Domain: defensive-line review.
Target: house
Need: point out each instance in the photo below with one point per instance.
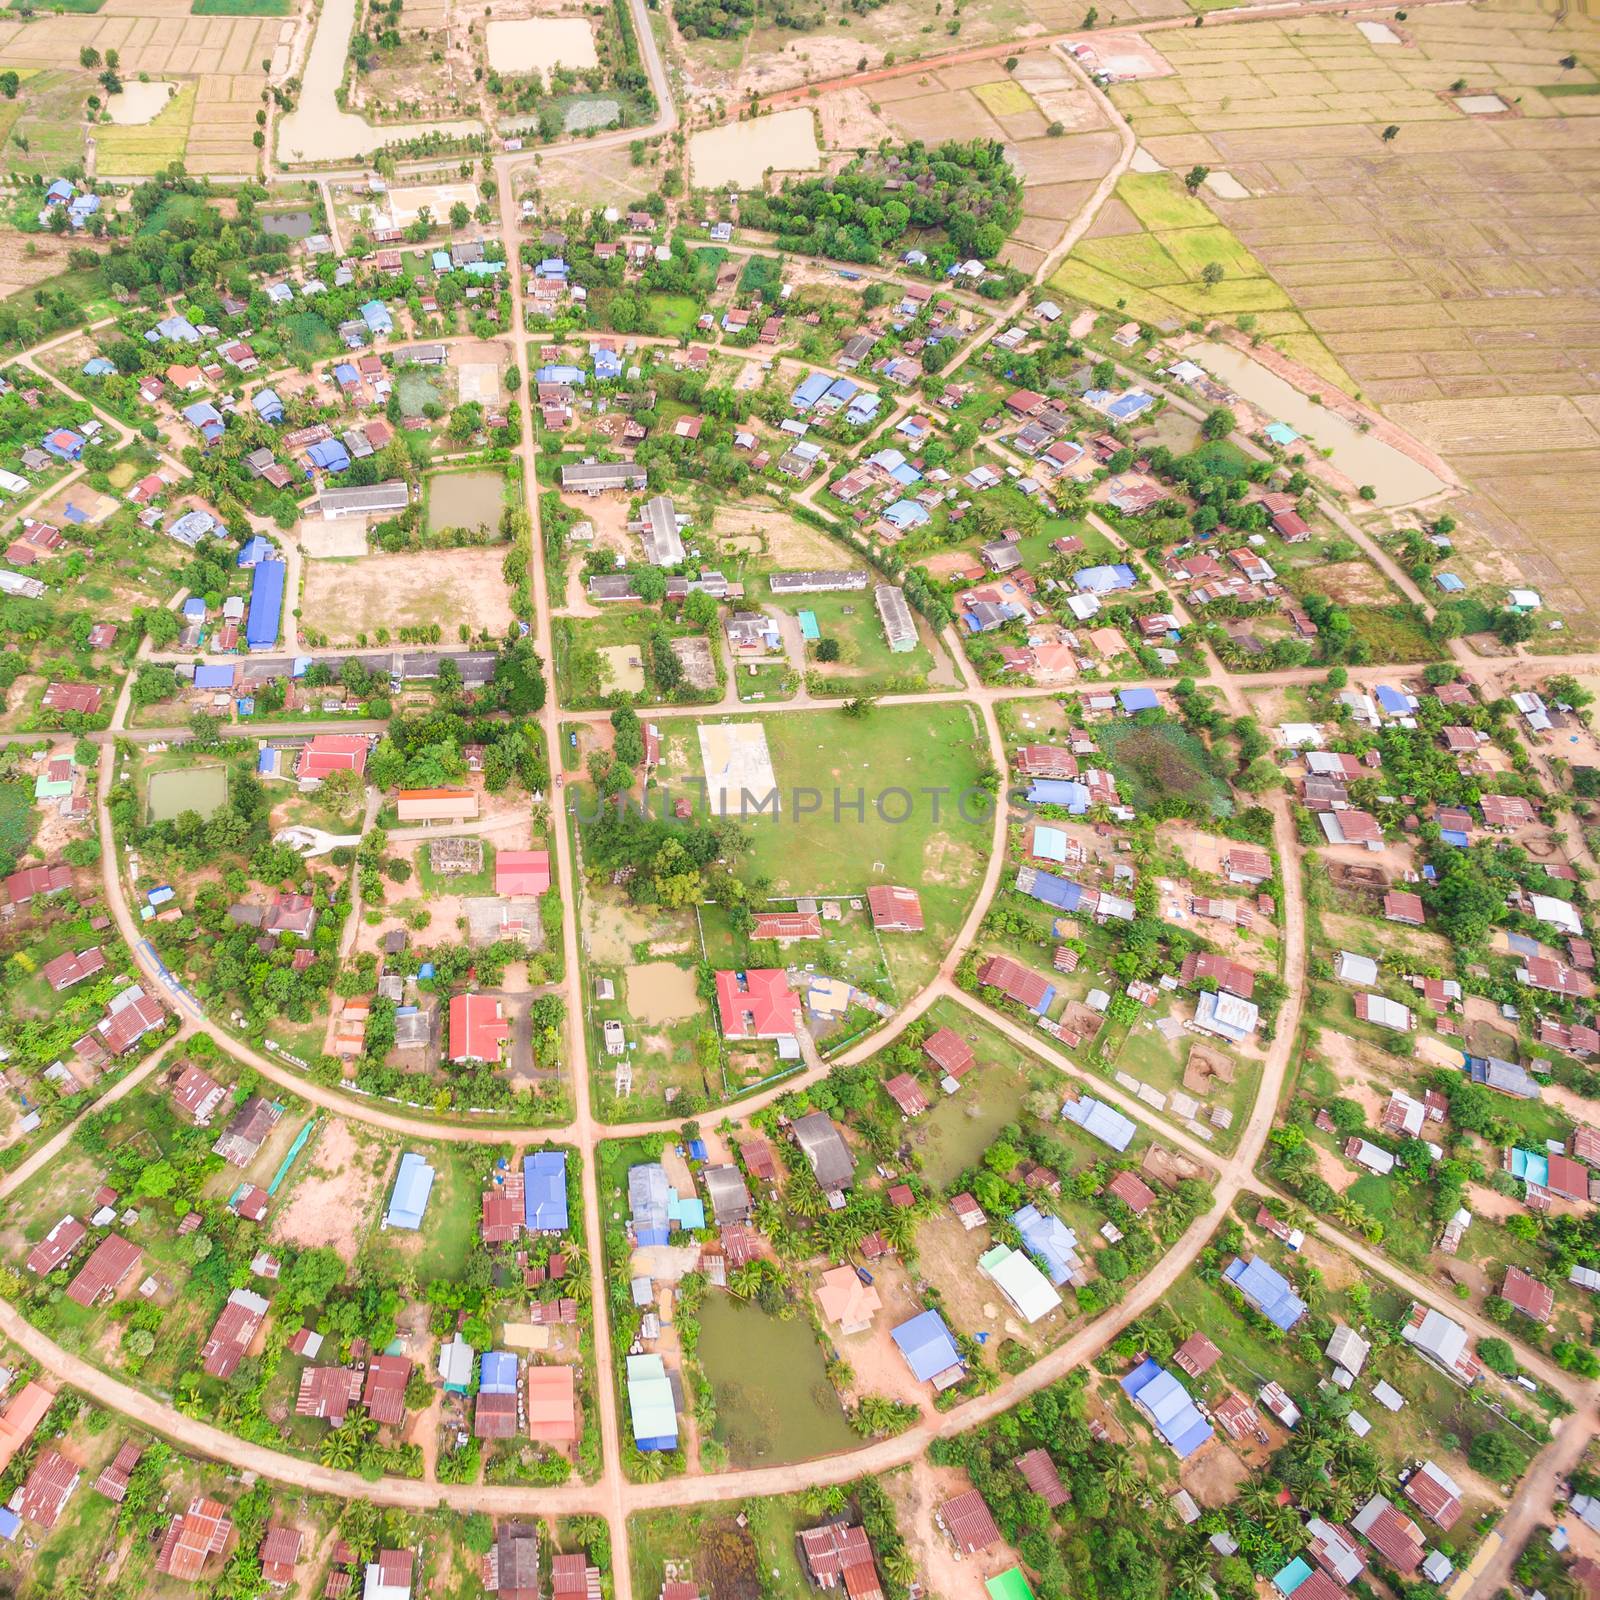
(825, 1150)
(113, 1481)
(279, 1553)
(899, 627)
(1196, 1355)
(1106, 1124)
(1347, 1350)
(81, 699)
(844, 1299)
(47, 1488)
(231, 1334)
(1505, 812)
(544, 1184)
(1267, 1290)
(1242, 864)
(327, 1393)
(1535, 1300)
(650, 1404)
(384, 1394)
(56, 1246)
(1019, 1281)
(1391, 1533)
(907, 1094)
(894, 909)
(479, 1027)
(436, 805)
(409, 1198)
(389, 1577)
(107, 1268)
(599, 477)
(1400, 905)
(1050, 1242)
(949, 1052)
(247, 1130)
(192, 1537)
(26, 1409)
(968, 1523)
(658, 530)
(551, 1405)
(1132, 1191)
(929, 1351)
(757, 1004)
(1435, 1493)
(786, 926)
(68, 969)
(1334, 1551)
(1168, 1407)
(1442, 1341)
(1230, 976)
(1017, 983)
(1383, 1012)
(363, 500)
(725, 1189)
(332, 752)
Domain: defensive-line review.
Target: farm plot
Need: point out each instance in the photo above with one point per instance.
(1420, 263)
(422, 587)
(139, 150)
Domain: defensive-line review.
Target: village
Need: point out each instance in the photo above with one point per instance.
(765, 832)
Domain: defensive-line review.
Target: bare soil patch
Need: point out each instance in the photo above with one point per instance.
(332, 1197)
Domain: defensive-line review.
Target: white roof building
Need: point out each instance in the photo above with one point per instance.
(1025, 1287)
(1351, 968)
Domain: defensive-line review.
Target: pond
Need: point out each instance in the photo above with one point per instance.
(956, 1132)
(287, 224)
(1361, 457)
(466, 500)
(202, 789)
(774, 1401)
(139, 103)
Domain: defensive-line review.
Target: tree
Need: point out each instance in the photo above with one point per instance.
(1195, 177)
(1391, 133)
(9, 84)
(89, 58)
(341, 792)
(1496, 1456)
(1211, 274)
(460, 214)
(1219, 423)
(1497, 1356)
(827, 650)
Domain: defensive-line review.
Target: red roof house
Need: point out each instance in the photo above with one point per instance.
(895, 910)
(478, 1027)
(103, 1273)
(949, 1052)
(1533, 1299)
(522, 872)
(56, 1245)
(757, 1004)
(332, 752)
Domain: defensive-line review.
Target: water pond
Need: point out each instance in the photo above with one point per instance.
(287, 224)
(774, 1401)
(466, 500)
(201, 789)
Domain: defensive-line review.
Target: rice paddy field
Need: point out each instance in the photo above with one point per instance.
(1448, 271)
(217, 51)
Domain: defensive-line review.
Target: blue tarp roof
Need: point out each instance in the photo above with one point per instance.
(926, 1344)
(1138, 699)
(1392, 699)
(1267, 1289)
(1454, 836)
(220, 677)
(497, 1372)
(266, 605)
(544, 1191)
(1168, 1405)
(412, 1185)
(697, 1150)
(1067, 792)
(10, 1523)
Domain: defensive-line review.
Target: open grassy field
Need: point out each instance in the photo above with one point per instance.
(139, 152)
(45, 128)
(242, 8)
(347, 599)
(865, 659)
(886, 759)
(1444, 325)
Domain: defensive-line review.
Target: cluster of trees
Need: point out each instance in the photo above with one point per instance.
(966, 190)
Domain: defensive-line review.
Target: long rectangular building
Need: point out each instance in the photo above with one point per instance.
(368, 500)
(899, 626)
(596, 477)
(817, 581)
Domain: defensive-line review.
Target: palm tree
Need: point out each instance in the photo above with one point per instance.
(1120, 1475)
(1257, 1498)
(649, 1466)
(1193, 1572)
(803, 1196)
(585, 1528)
(745, 1281)
(900, 1567)
(339, 1449)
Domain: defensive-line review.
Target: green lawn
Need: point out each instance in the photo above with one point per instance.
(454, 1209)
(437, 883)
(865, 660)
(82, 8)
(673, 315)
(886, 759)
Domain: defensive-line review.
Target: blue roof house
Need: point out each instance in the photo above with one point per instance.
(862, 409)
(1065, 792)
(895, 464)
(544, 1191)
(1449, 582)
(561, 373)
(1103, 580)
(842, 389)
(1049, 890)
(904, 514)
(1103, 1122)
(280, 294)
(214, 677)
(1049, 1241)
(1280, 433)
(607, 363)
(649, 1200)
(267, 405)
(180, 330)
(497, 1372)
(1165, 1401)
(810, 391)
(376, 316)
(1138, 700)
(194, 609)
(441, 260)
(58, 193)
(205, 419)
(328, 455)
(926, 1344)
(1265, 1288)
(266, 609)
(412, 1184)
(82, 207)
(64, 444)
(256, 549)
(98, 367)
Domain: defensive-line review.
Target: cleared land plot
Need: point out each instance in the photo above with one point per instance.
(447, 587)
(541, 44)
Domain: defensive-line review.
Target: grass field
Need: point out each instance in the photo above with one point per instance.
(242, 8)
(672, 315)
(1005, 99)
(78, 8)
(49, 121)
(886, 759)
(144, 151)
(16, 818)
(865, 659)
